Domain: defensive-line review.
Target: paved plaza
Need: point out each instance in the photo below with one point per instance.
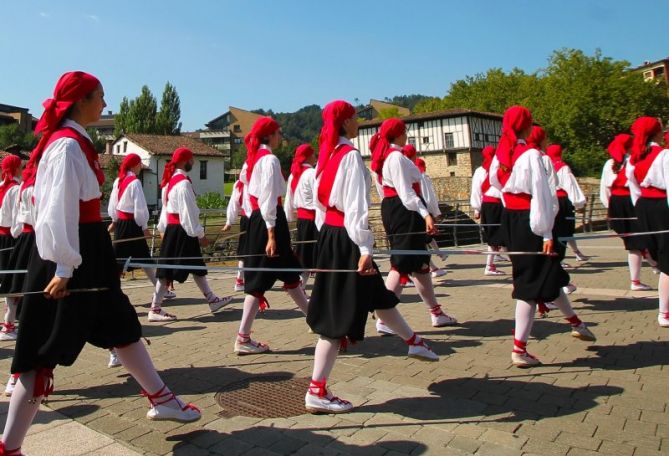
(608, 397)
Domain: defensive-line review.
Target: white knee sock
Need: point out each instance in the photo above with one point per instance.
(634, 262)
(574, 248)
(562, 303)
(393, 283)
(524, 319)
(299, 297)
(663, 287)
(248, 314)
(425, 289)
(159, 294)
(324, 358)
(490, 259)
(137, 362)
(151, 275)
(22, 411)
(394, 320)
(240, 273)
(10, 315)
(203, 285)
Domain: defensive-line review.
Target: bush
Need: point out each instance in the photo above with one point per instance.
(211, 200)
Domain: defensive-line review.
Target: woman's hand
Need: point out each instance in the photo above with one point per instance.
(477, 215)
(57, 288)
(366, 266)
(226, 228)
(111, 227)
(548, 247)
(270, 248)
(429, 225)
(147, 233)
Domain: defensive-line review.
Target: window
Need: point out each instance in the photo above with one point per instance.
(426, 140)
(203, 169)
(237, 129)
(452, 174)
(238, 140)
(125, 146)
(452, 159)
(118, 148)
(449, 143)
(477, 136)
(412, 140)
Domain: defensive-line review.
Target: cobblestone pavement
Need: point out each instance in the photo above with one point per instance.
(607, 397)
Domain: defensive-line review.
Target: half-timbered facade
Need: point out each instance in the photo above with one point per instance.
(450, 141)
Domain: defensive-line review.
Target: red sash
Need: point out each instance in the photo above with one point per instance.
(306, 214)
(561, 193)
(517, 201)
(254, 199)
(89, 211)
(27, 228)
(485, 186)
(122, 186)
(641, 169)
(618, 187)
(333, 216)
(173, 219)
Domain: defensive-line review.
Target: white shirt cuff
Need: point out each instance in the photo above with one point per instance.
(64, 271)
(365, 250)
(422, 211)
(270, 224)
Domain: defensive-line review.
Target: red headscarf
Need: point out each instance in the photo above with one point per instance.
(130, 161)
(619, 147)
(71, 87)
(554, 151)
(420, 163)
(537, 136)
(409, 152)
(182, 154)
(262, 128)
(379, 145)
(488, 153)
(516, 119)
(9, 166)
(666, 139)
(302, 153)
(642, 129)
(334, 114)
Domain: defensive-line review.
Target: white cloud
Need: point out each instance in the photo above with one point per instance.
(93, 17)
(43, 14)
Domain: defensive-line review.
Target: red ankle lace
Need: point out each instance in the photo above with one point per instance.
(8, 327)
(436, 310)
(170, 396)
(5, 452)
(318, 388)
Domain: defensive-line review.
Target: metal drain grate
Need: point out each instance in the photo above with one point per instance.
(263, 396)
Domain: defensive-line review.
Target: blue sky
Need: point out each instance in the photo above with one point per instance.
(284, 54)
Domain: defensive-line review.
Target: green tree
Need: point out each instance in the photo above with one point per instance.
(388, 113)
(142, 113)
(11, 134)
(167, 120)
(121, 120)
(98, 143)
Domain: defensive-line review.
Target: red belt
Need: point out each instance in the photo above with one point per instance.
(653, 192)
(27, 228)
(125, 215)
(517, 201)
(491, 199)
(620, 191)
(306, 214)
(254, 202)
(89, 211)
(389, 192)
(334, 217)
(173, 219)
(5, 231)
(561, 193)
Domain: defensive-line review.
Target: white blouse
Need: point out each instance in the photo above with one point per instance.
(567, 182)
(658, 175)
(606, 182)
(476, 198)
(304, 196)
(401, 173)
(429, 195)
(26, 213)
(182, 201)
(529, 176)
(133, 201)
(234, 207)
(267, 185)
(64, 178)
(350, 194)
(10, 207)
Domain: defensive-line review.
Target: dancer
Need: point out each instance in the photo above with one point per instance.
(73, 250)
(486, 201)
(9, 208)
(268, 236)
(404, 213)
(300, 200)
(236, 208)
(614, 193)
(340, 301)
(570, 198)
(182, 236)
(530, 207)
(648, 181)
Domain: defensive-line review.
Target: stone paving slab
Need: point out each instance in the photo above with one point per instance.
(606, 397)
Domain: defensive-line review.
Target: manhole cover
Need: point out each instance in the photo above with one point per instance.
(263, 396)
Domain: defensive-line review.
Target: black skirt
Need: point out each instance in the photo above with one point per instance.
(306, 251)
(398, 221)
(241, 240)
(653, 215)
(6, 244)
(340, 301)
(564, 226)
(19, 258)
(535, 277)
(55, 332)
(128, 229)
(177, 244)
(620, 206)
(491, 213)
(260, 282)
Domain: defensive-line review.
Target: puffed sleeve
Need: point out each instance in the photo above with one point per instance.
(232, 211)
(113, 201)
(477, 195)
(403, 174)
(605, 183)
(162, 219)
(430, 195)
(289, 204)
(141, 209)
(273, 187)
(664, 156)
(570, 185)
(189, 213)
(635, 189)
(544, 205)
(12, 198)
